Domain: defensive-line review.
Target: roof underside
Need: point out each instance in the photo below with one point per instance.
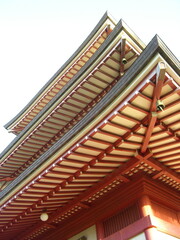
(104, 132)
(67, 72)
(63, 75)
(70, 104)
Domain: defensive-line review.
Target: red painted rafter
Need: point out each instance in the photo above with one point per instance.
(131, 58)
(7, 179)
(106, 74)
(134, 108)
(105, 134)
(170, 146)
(99, 79)
(118, 126)
(84, 147)
(121, 160)
(161, 140)
(173, 92)
(10, 165)
(89, 141)
(142, 95)
(166, 152)
(110, 67)
(149, 130)
(174, 114)
(128, 134)
(125, 117)
(172, 104)
(160, 77)
(171, 156)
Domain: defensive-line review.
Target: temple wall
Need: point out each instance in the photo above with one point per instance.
(140, 236)
(89, 233)
(164, 236)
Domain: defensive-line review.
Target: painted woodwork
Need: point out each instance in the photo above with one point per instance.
(94, 148)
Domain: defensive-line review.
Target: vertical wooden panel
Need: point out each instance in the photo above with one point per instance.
(121, 220)
(165, 213)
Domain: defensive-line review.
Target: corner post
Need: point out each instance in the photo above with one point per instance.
(146, 210)
(100, 231)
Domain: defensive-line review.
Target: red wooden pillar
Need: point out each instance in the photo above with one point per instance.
(145, 209)
(100, 231)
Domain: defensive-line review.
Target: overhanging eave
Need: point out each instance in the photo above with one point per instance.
(151, 50)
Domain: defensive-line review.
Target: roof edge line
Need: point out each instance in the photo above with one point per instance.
(66, 87)
(136, 39)
(78, 50)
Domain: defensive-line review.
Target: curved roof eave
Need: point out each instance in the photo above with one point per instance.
(90, 36)
(154, 47)
(119, 27)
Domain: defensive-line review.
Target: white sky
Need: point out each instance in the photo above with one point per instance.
(38, 36)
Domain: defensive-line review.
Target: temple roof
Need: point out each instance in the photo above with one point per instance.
(72, 102)
(115, 120)
(63, 75)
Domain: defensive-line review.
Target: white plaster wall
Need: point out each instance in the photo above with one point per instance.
(90, 233)
(140, 236)
(164, 236)
(159, 236)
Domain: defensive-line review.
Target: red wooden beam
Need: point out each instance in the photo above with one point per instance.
(7, 179)
(160, 77)
(149, 131)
